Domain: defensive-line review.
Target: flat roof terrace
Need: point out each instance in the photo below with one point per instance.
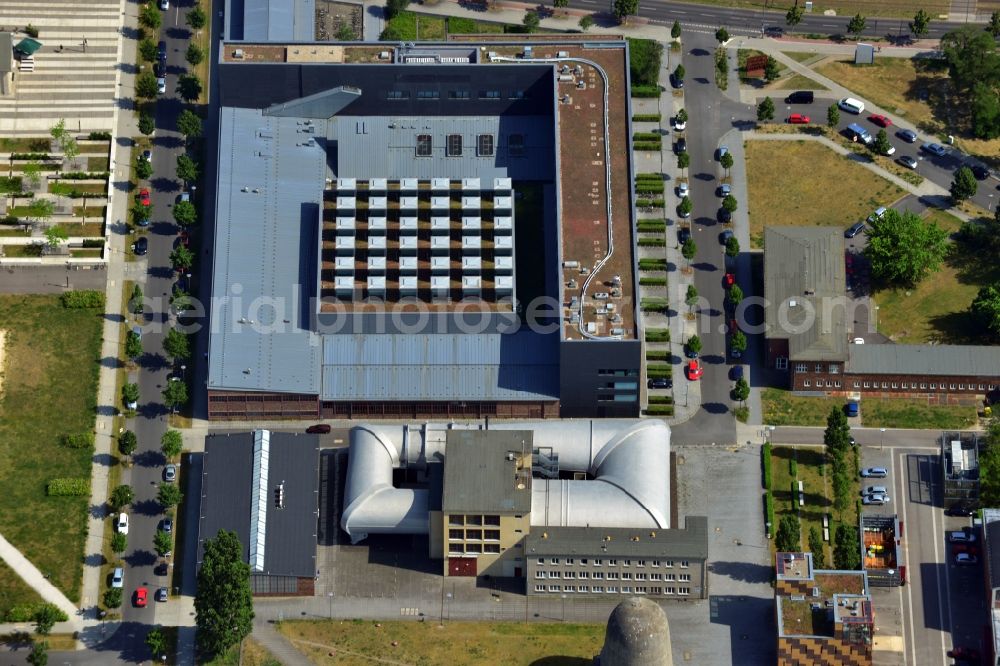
(237, 52)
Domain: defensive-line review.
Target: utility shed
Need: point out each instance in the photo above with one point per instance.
(864, 54)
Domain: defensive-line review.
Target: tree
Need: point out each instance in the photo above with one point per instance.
(150, 17)
(856, 25)
(794, 15)
(986, 308)
(765, 110)
(732, 247)
(189, 87)
(169, 495)
(816, 548)
(689, 249)
(171, 444)
(140, 213)
(993, 27)
(735, 295)
(846, 550)
(130, 393)
(187, 169)
(692, 296)
(739, 341)
(46, 615)
(113, 597)
(32, 171)
(560, 4)
(146, 86)
(985, 111)
(147, 50)
(56, 236)
(143, 168)
(175, 395)
(394, 7)
(771, 69)
(157, 643)
(135, 301)
(971, 56)
(675, 30)
(683, 161)
(920, 23)
(722, 35)
(741, 391)
(682, 116)
(196, 18)
(58, 131)
(679, 72)
(685, 206)
(881, 145)
(127, 443)
(41, 209)
(693, 344)
(989, 466)
(70, 148)
(624, 8)
(729, 202)
(181, 258)
(726, 161)
(119, 543)
(964, 185)
(530, 21)
(121, 497)
(185, 213)
(162, 543)
(832, 116)
(189, 124)
(194, 55)
(789, 537)
(223, 603)
(39, 655)
(902, 248)
(177, 345)
(841, 489)
(133, 345)
(837, 436)
(146, 124)
(586, 22)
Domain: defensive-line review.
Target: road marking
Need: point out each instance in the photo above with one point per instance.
(906, 551)
(947, 580)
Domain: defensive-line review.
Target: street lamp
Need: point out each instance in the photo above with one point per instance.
(881, 439)
(563, 607)
(183, 375)
(330, 597)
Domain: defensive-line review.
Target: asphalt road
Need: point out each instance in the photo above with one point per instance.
(50, 279)
(712, 115)
(694, 17)
(939, 170)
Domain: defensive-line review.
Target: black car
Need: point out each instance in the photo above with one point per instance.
(319, 429)
(676, 81)
(725, 235)
(979, 171)
(159, 70)
(161, 52)
(909, 136)
(854, 230)
(681, 146)
(683, 234)
(725, 217)
(800, 97)
(736, 372)
(960, 510)
(141, 246)
(660, 383)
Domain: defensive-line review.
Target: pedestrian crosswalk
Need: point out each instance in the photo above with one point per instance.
(73, 76)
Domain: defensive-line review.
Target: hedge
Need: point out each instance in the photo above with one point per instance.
(646, 117)
(657, 355)
(653, 304)
(657, 335)
(648, 187)
(766, 452)
(41, 157)
(83, 175)
(83, 440)
(649, 264)
(769, 509)
(84, 299)
(659, 370)
(11, 184)
(99, 136)
(646, 91)
(649, 176)
(661, 400)
(649, 203)
(647, 145)
(653, 281)
(660, 410)
(652, 242)
(793, 468)
(93, 242)
(27, 612)
(646, 136)
(10, 219)
(68, 487)
(652, 225)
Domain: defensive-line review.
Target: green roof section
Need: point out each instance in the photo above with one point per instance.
(28, 46)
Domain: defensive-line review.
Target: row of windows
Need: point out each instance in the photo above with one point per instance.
(611, 575)
(833, 368)
(428, 94)
(485, 145)
(925, 386)
(474, 535)
(473, 548)
(613, 589)
(460, 519)
(612, 562)
(821, 383)
(618, 373)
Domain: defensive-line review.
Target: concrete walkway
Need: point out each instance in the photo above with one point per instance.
(33, 577)
(265, 633)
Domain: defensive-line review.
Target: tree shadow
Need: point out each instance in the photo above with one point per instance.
(165, 184)
(147, 508)
(106, 410)
(176, 32)
(141, 558)
(126, 103)
(705, 266)
(95, 560)
(112, 362)
(715, 407)
(150, 459)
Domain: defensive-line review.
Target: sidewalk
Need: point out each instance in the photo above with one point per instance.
(33, 577)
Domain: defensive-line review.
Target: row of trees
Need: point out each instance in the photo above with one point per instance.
(974, 68)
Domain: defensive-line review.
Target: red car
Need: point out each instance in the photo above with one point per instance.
(144, 196)
(184, 239)
(140, 597)
(733, 326)
(729, 280)
(880, 120)
(799, 119)
(694, 370)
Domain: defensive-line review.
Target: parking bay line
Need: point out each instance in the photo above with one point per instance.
(906, 551)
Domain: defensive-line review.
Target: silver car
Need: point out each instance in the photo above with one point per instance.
(170, 473)
(118, 578)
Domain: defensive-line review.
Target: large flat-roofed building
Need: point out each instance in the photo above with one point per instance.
(264, 486)
(602, 561)
(991, 541)
(407, 232)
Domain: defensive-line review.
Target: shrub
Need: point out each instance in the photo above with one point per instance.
(83, 299)
(646, 117)
(660, 410)
(793, 468)
(661, 400)
(651, 226)
(645, 56)
(99, 136)
(10, 219)
(652, 242)
(645, 91)
(93, 242)
(657, 335)
(647, 145)
(659, 370)
(657, 355)
(68, 487)
(650, 264)
(83, 440)
(766, 453)
(11, 184)
(653, 281)
(31, 31)
(648, 187)
(83, 175)
(649, 203)
(40, 157)
(113, 597)
(653, 304)
(646, 136)
(769, 509)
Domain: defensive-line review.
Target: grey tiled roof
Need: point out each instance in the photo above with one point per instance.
(944, 360)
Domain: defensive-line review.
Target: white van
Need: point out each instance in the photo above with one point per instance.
(852, 105)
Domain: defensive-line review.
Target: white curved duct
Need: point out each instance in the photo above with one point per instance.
(629, 460)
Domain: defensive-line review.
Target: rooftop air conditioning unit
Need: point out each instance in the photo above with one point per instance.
(238, 54)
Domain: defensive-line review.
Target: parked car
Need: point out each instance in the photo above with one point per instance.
(676, 81)
(875, 490)
(682, 189)
(857, 133)
(162, 594)
(121, 525)
(961, 537)
(690, 353)
(683, 235)
(852, 105)
(736, 372)
(800, 97)
(679, 126)
(164, 5)
(167, 525)
(724, 190)
(723, 150)
(907, 161)
(852, 409)
(140, 597)
(319, 429)
(144, 196)
(877, 215)
(161, 85)
(141, 245)
(161, 51)
(909, 136)
(694, 370)
(118, 578)
(966, 558)
(874, 472)
(170, 473)
(979, 171)
(728, 280)
(724, 216)
(890, 150)
(960, 510)
(159, 69)
(935, 149)
(680, 146)
(858, 341)
(854, 230)
(725, 236)
(660, 383)
(799, 119)
(147, 155)
(876, 499)
(880, 120)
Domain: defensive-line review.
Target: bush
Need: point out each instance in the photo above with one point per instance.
(645, 91)
(652, 242)
(766, 453)
(647, 145)
(113, 597)
(83, 175)
(99, 136)
(657, 335)
(83, 299)
(649, 203)
(10, 219)
(653, 304)
(646, 117)
(31, 31)
(649, 264)
(793, 468)
(68, 487)
(11, 184)
(83, 440)
(40, 157)
(648, 187)
(646, 136)
(660, 410)
(645, 56)
(649, 176)
(653, 281)
(651, 226)
(661, 400)
(93, 242)
(659, 370)
(769, 509)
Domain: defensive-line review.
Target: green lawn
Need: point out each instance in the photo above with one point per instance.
(458, 25)
(782, 408)
(906, 413)
(798, 82)
(411, 25)
(51, 367)
(799, 56)
(14, 591)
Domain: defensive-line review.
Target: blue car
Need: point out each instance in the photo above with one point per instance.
(852, 409)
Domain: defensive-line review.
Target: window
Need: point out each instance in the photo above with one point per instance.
(641, 563)
(655, 563)
(867, 385)
(628, 563)
(454, 145)
(456, 519)
(612, 589)
(655, 576)
(641, 590)
(800, 367)
(492, 535)
(428, 94)
(490, 94)
(961, 387)
(806, 383)
(982, 387)
(569, 588)
(554, 588)
(539, 574)
(834, 368)
(539, 588)
(454, 534)
(682, 591)
(459, 94)
(894, 385)
(669, 577)
(669, 564)
(597, 588)
(923, 385)
(598, 575)
(598, 563)
(819, 367)
(570, 575)
(933, 387)
(492, 521)
(494, 547)
(484, 145)
(474, 534)
(518, 94)
(836, 384)
(952, 387)
(668, 590)
(554, 560)
(424, 145)
(656, 590)
(583, 561)
(684, 564)
(684, 578)
(626, 589)
(612, 563)
(456, 549)
(885, 385)
(583, 588)
(640, 576)
(993, 387)
(397, 94)
(857, 384)
(473, 548)
(612, 575)
(781, 363)
(515, 145)
(583, 575)
(569, 560)
(626, 575)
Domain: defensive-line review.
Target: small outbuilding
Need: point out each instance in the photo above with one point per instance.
(864, 54)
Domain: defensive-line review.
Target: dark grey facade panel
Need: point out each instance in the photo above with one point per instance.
(599, 379)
